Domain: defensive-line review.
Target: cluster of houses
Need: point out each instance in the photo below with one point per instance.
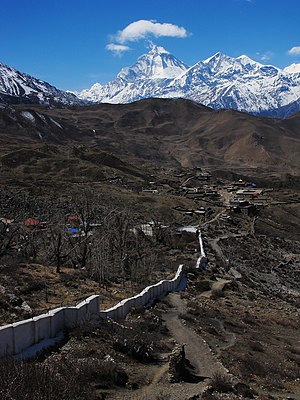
(248, 199)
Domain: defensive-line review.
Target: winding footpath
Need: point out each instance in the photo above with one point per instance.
(203, 363)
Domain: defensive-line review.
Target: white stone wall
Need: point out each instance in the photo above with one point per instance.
(147, 296)
(202, 260)
(17, 337)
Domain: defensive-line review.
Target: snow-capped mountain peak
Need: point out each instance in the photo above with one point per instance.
(158, 63)
(247, 60)
(292, 69)
(220, 81)
(158, 49)
(213, 58)
(90, 94)
(147, 76)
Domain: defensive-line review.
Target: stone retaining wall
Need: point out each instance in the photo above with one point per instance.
(19, 336)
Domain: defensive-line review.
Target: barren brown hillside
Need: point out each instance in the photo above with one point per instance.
(177, 132)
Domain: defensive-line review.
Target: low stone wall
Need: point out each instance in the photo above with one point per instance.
(147, 296)
(17, 337)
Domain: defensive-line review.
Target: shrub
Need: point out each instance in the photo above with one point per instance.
(221, 383)
(250, 366)
(139, 339)
(101, 372)
(34, 381)
(217, 293)
(136, 346)
(63, 379)
(203, 285)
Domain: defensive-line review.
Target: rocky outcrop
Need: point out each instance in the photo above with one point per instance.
(177, 364)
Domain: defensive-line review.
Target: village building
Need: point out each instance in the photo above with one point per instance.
(249, 192)
(33, 224)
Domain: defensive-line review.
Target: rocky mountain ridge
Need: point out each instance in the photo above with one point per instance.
(18, 87)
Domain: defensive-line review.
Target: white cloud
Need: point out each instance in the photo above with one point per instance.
(265, 56)
(294, 51)
(117, 49)
(144, 28)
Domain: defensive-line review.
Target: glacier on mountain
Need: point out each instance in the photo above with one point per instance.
(293, 69)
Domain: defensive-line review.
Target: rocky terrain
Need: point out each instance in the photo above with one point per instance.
(102, 199)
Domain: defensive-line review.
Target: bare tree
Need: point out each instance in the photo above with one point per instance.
(56, 245)
(81, 243)
(9, 236)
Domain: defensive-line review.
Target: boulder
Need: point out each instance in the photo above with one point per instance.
(177, 364)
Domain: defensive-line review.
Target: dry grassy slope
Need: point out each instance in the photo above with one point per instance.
(58, 162)
(167, 131)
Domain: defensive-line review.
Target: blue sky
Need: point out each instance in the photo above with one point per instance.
(67, 42)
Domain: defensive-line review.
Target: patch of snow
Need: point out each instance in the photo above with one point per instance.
(56, 123)
(28, 115)
(42, 118)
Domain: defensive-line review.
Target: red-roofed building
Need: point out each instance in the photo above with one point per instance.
(32, 223)
(72, 218)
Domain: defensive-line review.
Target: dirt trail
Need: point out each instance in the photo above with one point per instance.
(214, 243)
(204, 363)
(213, 219)
(197, 350)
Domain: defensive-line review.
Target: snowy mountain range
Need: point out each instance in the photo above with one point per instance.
(17, 87)
(218, 82)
